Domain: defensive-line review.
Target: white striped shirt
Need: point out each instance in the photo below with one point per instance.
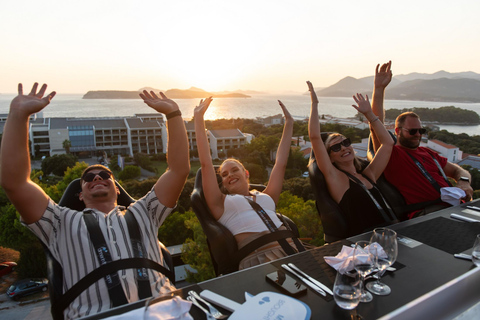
(65, 234)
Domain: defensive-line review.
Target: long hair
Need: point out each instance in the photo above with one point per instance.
(220, 183)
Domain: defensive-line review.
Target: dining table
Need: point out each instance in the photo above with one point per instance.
(428, 283)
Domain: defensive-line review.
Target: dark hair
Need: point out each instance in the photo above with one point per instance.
(93, 167)
(402, 117)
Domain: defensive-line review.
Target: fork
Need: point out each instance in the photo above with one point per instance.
(213, 311)
(198, 305)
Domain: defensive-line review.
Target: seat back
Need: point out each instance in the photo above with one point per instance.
(221, 242)
(71, 200)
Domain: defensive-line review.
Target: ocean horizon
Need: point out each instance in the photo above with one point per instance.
(72, 105)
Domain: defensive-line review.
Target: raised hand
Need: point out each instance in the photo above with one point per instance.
(33, 102)
(161, 104)
(383, 76)
(286, 114)
(202, 107)
(313, 94)
(363, 103)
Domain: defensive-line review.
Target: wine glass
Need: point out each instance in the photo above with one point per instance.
(363, 260)
(476, 251)
(346, 289)
(383, 245)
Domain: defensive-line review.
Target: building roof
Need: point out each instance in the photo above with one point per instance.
(227, 133)
(471, 160)
(98, 123)
(136, 123)
(443, 144)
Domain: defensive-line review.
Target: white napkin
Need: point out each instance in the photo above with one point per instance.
(345, 258)
(452, 195)
(171, 309)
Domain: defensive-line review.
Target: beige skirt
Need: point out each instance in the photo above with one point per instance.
(269, 252)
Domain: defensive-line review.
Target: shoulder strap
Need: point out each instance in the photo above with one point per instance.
(271, 227)
(427, 175)
(143, 281)
(115, 290)
(103, 271)
(388, 214)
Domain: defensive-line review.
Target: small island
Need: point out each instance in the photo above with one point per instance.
(192, 93)
(444, 115)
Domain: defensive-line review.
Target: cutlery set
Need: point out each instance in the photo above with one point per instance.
(212, 312)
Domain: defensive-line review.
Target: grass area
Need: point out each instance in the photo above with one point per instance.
(161, 166)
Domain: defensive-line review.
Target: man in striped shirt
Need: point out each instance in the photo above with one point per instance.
(64, 231)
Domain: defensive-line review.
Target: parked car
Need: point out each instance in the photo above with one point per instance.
(7, 267)
(27, 286)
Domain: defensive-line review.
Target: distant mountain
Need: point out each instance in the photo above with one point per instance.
(192, 93)
(439, 86)
(444, 89)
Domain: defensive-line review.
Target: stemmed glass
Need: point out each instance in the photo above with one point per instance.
(476, 251)
(383, 245)
(346, 289)
(363, 260)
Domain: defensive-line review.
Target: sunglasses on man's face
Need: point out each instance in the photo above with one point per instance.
(338, 146)
(414, 131)
(89, 176)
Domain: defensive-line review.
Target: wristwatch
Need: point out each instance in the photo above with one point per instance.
(464, 179)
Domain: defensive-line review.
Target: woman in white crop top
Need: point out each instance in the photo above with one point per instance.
(233, 210)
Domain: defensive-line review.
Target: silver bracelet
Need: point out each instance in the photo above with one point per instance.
(372, 121)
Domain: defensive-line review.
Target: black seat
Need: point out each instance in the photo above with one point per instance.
(221, 242)
(333, 219)
(71, 200)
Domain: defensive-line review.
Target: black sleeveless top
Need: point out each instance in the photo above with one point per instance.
(361, 213)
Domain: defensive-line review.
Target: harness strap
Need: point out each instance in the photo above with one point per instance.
(143, 281)
(388, 214)
(272, 228)
(104, 270)
(112, 280)
(427, 175)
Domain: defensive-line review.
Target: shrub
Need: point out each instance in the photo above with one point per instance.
(130, 172)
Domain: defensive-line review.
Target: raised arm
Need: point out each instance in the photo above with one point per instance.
(169, 186)
(27, 197)
(321, 154)
(275, 183)
(213, 195)
(382, 156)
(383, 76)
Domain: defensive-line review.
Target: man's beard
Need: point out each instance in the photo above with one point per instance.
(407, 143)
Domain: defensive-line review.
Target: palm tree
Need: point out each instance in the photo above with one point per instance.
(66, 145)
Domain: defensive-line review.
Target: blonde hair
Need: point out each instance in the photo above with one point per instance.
(220, 184)
(356, 160)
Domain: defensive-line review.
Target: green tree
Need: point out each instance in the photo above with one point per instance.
(129, 172)
(58, 164)
(196, 254)
(67, 145)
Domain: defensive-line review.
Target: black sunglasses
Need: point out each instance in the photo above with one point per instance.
(338, 146)
(89, 176)
(414, 131)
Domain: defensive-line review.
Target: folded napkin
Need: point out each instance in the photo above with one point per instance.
(344, 260)
(171, 309)
(452, 195)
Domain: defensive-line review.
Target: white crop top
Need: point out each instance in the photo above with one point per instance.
(240, 217)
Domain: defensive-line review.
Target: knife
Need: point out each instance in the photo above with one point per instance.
(315, 281)
(473, 208)
(459, 217)
(309, 283)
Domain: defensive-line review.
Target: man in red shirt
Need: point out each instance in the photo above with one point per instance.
(417, 172)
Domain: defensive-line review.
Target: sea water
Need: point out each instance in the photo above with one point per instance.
(72, 105)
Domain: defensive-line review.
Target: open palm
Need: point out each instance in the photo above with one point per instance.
(161, 104)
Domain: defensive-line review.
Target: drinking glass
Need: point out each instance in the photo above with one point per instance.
(346, 289)
(476, 251)
(383, 245)
(363, 260)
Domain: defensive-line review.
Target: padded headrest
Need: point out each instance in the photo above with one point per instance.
(70, 196)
